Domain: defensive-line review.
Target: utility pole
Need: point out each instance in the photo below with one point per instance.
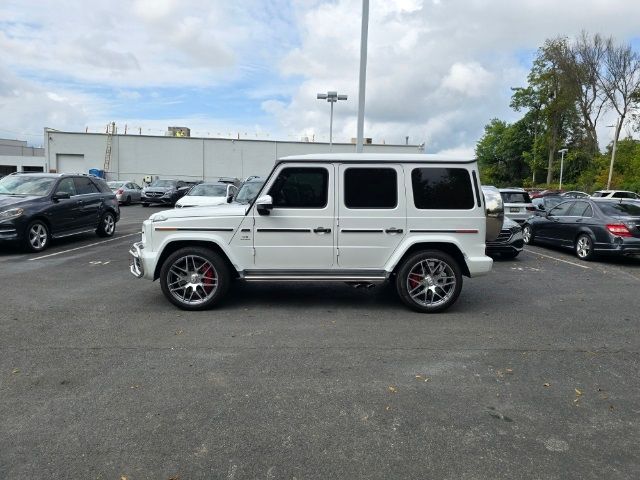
(562, 152)
(613, 152)
(363, 74)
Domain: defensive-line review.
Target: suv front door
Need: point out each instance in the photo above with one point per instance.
(372, 218)
(298, 233)
(64, 214)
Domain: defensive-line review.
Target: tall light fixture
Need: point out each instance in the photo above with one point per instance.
(364, 34)
(562, 152)
(331, 97)
(613, 152)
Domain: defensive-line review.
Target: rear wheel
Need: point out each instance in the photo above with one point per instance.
(145, 205)
(429, 281)
(194, 278)
(527, 234)
(107, 225)
(128, 202)
(37, 238)
(584, 247)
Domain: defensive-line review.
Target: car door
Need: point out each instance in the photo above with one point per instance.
(90, 202)
(555, 223)
(298, 232)
(136, 192)
(577, 217)
(371, 220)
(64, 214)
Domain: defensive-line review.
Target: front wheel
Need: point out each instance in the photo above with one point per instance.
(107, 225)
(38, 237)
(194, 278)
(429, 281)
(527, 234)
(584, 247)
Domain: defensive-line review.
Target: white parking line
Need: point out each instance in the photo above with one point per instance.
(84, 246)
(558, 259)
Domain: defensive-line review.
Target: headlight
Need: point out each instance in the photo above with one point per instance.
(9, 214)
(158, 218)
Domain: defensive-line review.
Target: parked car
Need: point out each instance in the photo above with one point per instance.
(249, 189)
(544, 204)
(36, 207)
(509, 243)
(230, 180)
(574, 194)
(422, 230)
(126, 191)
(615, 194)
(589, 227)
(165, 192)
(544, 193)
(517, 204)
(207, 194)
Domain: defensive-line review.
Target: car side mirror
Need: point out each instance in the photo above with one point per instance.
(264, 204)
(61, 196)
(541, 207)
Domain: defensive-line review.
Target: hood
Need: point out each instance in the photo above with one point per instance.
(158, 189)
(224, 210)
(508, 223)
(10, 201)
(196, 200)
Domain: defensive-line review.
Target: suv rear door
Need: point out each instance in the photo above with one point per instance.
(372, 219)
(90, 200)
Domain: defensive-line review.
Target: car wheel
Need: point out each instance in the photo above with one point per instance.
(584, 247)
(429, 281)
(194, 278)
(145, 205)
(128, 200)
(527, 234)
(37, 238)
(509, 255)
(107, 225)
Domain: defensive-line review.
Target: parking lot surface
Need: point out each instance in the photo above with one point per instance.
(533, 373)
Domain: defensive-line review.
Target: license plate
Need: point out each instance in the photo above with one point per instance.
(514, 209)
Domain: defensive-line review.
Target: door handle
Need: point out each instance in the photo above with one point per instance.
(321, 230)
(393, 230)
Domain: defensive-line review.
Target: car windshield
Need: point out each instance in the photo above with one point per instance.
(248, 192)
(515, 197)
(19, 185)
(204, 190)
(114, 185)
(621, 209)
(163, 183)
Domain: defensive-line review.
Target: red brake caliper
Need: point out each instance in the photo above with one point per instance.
(207, 280)
(414, 280)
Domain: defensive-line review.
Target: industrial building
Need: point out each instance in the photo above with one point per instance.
(16, 156)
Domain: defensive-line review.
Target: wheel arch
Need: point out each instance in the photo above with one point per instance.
(446, 247)
(41, 217)
(177, 244)
(584, 230)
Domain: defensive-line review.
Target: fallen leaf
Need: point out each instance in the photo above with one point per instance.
(611, 407)
(508, 370)
(122, 477)
(427, 379)
(419, 377)
(135, 386)
(387, 408)
(15, 370)
(546, 384)
(179, 332)
(393, 389)
(578, 392)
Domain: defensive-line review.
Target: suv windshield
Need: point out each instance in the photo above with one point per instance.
(19, 185)
(622, 209)
(208, 191)
(248, 192)
(164, 183)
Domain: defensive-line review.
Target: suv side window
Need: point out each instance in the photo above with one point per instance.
(370, 188)
(66, 185)
(442, 188)
(562, 210)
(300, 187)
(84, 186)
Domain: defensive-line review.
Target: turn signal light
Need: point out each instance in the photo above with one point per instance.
(119, 191)
(619, 229)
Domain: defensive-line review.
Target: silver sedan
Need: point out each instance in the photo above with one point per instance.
(126, 191)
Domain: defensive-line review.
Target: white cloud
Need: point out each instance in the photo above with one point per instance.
(469, 79)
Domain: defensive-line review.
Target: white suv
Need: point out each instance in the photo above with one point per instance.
(417, 220)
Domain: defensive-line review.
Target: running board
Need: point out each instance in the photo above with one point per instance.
(366, 276)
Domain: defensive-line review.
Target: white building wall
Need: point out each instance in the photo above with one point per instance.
(20, 162)
(135, 156)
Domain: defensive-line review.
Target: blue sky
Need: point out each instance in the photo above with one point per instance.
(438, 70)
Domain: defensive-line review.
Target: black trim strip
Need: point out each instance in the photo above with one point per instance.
(476, 188)
(193, 229)
(353, 230)
(245, 230)
(293, 230)
(453, 230)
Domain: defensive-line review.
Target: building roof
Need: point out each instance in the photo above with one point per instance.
(376, 158)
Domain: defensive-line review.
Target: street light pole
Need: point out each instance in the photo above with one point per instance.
(364, 34)
(331, 97)
(613, 152)
(562, 152)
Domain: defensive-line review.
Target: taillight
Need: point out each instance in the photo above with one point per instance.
(119, 191)
(619, 229)
(531, 209)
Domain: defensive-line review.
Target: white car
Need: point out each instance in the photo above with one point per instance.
(517, 204)
(616, 194)
(419, 221)
(207, 194)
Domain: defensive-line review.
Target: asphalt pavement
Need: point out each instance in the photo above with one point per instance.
(533, 374)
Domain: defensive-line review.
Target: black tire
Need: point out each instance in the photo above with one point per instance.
(527, 234)
(145, 205)
(176, 277)
(107, 225)
(128, 202)
(412, 273)
(37, 236)
(510, 255)
(584, 247)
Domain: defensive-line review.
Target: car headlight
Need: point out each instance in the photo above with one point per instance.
(158, 218)
(10, 214)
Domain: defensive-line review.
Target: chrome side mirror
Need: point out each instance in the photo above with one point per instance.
(264, 204)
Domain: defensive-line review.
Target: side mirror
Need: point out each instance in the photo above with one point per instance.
(61, 196)
(264, 204)
(541, 207)
(229, 198)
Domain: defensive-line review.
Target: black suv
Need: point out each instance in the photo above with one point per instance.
(36, 207)
(165, 192)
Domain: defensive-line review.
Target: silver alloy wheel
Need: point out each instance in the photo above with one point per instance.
(192, 280)
(583, 247)
(431, 282)
(109, 224)
(38, 236)
(526, 234)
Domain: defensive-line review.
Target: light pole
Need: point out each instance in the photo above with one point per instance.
(364, 36)
(562, 152)
(331, 97)
(613, 152)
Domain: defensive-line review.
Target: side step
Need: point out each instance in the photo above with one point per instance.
(358, 276)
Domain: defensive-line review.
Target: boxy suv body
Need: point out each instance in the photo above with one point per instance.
(417, 220)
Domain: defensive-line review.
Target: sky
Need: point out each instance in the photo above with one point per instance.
(437, 70)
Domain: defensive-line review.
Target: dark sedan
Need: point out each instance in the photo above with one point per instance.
(589, 227)
(36, 207)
